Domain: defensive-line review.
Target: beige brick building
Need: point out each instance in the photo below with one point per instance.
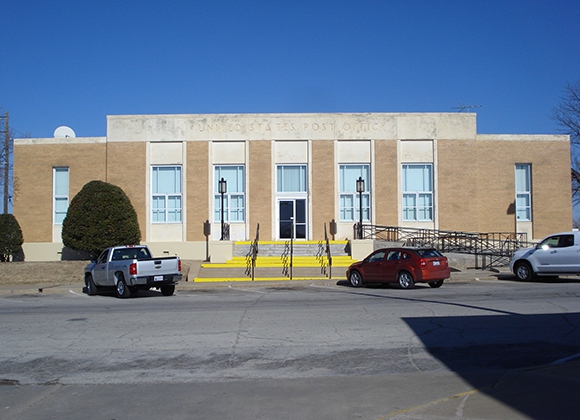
(294, 173)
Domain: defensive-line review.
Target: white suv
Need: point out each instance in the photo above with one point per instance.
(554, 255)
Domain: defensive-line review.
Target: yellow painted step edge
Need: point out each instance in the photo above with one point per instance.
(295, 242)
(249, 279)
(275, 265)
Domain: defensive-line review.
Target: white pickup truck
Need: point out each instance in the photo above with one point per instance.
(557, 254)
(130, 268)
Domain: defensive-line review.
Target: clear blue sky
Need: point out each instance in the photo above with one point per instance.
(75, 62)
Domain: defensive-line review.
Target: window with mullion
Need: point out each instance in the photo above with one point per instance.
(291, 178)
(60, 194)
(523, 192)
(234, 198)
(417, 192)
(166, 194)
(349, 198)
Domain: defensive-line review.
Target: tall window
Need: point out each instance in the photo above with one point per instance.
(523, 192)
(418, 192)
(60, 194)
(291, 178)
(349, 198)
(166, 195)
(234, 198)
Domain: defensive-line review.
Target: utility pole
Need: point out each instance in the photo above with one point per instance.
(6, 160)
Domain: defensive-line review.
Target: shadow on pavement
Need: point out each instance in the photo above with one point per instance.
(539, 279)
(139, 294)
(530, 350)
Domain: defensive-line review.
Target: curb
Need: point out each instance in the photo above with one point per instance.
(469, 275)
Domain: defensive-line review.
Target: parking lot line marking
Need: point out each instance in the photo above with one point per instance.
(417, 407)
(77, 293)
(11, 300)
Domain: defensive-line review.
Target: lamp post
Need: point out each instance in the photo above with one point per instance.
(360, 187)
(223, 188)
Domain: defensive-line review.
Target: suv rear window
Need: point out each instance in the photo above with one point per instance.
(428, 253)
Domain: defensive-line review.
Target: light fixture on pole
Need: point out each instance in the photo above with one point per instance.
(223, 188)
(360, 187)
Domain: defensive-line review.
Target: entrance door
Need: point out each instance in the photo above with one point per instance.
(292, 219)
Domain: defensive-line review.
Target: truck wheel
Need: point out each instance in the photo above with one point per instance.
(523, 271)
(90, 284)
(122, 289)
(167, 290)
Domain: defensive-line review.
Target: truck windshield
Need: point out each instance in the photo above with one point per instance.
(131, 254)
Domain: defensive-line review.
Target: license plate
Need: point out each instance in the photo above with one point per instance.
(436, 262)
(158, 278)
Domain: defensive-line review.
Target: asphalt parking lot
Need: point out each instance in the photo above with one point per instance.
(247, 350)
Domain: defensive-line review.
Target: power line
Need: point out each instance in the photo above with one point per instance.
(462, 107)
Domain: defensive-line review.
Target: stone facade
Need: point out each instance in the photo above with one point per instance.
(473, 175)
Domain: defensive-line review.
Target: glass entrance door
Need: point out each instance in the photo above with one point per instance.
(292, 219)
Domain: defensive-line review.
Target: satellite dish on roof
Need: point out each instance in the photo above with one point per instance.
(64, 131)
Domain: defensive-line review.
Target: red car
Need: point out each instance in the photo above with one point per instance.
(405, 266)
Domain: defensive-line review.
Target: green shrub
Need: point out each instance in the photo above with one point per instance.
(10, 237)
(99, 216)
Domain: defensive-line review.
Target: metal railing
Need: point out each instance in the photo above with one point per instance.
(286, 258)
(495, 248)
(225, 232)
(252, 255)
(324, 256)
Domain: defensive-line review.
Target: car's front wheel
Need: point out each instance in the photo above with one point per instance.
(355, 279)
(405, 280)
(523, 271)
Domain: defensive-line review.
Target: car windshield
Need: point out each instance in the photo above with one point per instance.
(428, 253)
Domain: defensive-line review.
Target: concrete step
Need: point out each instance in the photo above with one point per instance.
(277, 248)
(297, 261)
(309, 262)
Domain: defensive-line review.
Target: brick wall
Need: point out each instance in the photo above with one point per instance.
(127, 168)
(197, 186)
(477, 185)
(259, 194)
(458, 187)
(33, 172)
(323, 190)
(386, 194)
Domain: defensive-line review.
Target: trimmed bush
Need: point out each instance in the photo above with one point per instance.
(99, 216)
(11, 239)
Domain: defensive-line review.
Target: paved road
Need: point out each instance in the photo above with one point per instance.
(309, 350)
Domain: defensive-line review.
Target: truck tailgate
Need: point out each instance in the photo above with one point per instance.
(157, 266)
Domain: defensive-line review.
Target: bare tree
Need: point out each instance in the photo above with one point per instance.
(567, 116)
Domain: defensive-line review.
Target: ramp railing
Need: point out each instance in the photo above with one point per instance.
(495, 248)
